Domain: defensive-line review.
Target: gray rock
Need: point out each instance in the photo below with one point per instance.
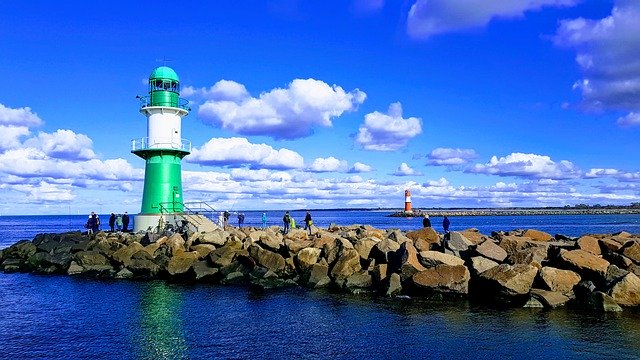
(491, 251)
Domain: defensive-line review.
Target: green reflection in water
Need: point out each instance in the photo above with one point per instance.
(162, 334)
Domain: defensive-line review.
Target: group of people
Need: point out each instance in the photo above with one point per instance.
(290, 222)
(445, 222)
(121, 222)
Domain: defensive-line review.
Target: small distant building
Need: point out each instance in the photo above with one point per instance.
(407, 202)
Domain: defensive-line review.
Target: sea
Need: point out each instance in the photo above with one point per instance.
(63, 317)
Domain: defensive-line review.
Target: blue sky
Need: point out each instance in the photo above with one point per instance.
(306, 104)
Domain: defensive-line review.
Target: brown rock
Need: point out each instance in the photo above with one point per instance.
(559, 280)
(203, 250)
(633, 252)
(585, 263)
(590, 244)
(537, 235)
(431, 259)
(491, 251)
(176, 244)
(124, 254)
(180, 263)
(296, 245)
(481, 264)
(364, 246)
(443, 279)
(318, 277)
(426, 234)
(550, 299)
(510, 280)
(474, 236)
(380, 251)
(347, 264)
(610, 244)
(626, 292)
(516, 244)
(267, 259)
(305, 258)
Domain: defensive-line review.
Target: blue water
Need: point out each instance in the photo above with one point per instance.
(61, 317)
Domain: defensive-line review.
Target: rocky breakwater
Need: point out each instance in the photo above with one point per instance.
(517, 268)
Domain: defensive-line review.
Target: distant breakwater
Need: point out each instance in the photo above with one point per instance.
(515, 212)
(515, 268)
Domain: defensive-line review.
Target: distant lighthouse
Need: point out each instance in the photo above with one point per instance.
(407, 202)
(162, 149)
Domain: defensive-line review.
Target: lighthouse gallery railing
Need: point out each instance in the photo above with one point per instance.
(144, 144)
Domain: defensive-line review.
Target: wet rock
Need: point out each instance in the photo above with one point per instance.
(317, 276)
(92, 261)
(444, 279)
(361, 280)
(550, 299)
(559, 280)
(142, 265)
(124, 274)
(204, 272)
(601, 302)
(491, 251)
(394, 287)
(626, 292)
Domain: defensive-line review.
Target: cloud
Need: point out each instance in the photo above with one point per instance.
(431, 17)
(388, 132)
(607, 54)
(18, 117)
(329, 164)
(359, 167)
(236, 152)
(64, 144)
(613, 173)
(448, 156)
(631, 119)
(42, 192)
(527, 166)
(223, 90)
(289, 113)
(405, 170)
(10, 136)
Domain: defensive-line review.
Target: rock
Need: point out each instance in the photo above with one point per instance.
(204, 272)
(142, 265)
(474, 236)
(395, 285)
(626, 292)
(92, 261)
(380, 251)
(586, 264)
(614, 274)
(379, 273)
(533, 303)
(602, 302)
(427, 235)
(529, 256)
(332, 250)
(589, 244)
(123, 255)
(346, 265)
(181, 263)
(633, 252)
(175, 244)
(267, 259)
(456, 242)
(481, 264)
(317, 276)
(399, 237)
(203, 250)
(224, 256)
(23, 249)
(491, 251)
(559, 280)
(431, 259)
(510, 280)
(514, 244)
(124, 273)
(444, 279)
(306, 257)
(364, 246)
(234, 278)
(610, 244)
(405, 260)
(75, 269)
(271, 241)
(361, 280)
(550, 299)
(294, 246)
(537, 235)
(216, 238)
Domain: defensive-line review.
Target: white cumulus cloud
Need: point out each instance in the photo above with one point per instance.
(359, 167)
(329, 164)
(388, 132)
(527, 166)
(220, 91)
(631, 119)
(19, 117)
(237, 152)
(10, 136)
(607, 53)
(448, 156)
(65, 144)
(288, 113)
(431, 17)
(405, 170)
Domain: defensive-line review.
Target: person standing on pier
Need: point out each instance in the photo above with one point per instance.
(286, 220)
(445, 224)
(112, 222)
(425, 221)
(308, 222)
(264, 220)
(119, 222)
(125, 222)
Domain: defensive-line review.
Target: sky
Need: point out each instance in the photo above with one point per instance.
(325, 104)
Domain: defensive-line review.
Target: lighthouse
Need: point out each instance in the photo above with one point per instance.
(407, 202)
(163, 149)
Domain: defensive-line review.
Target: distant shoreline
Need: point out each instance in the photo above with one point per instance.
(517, 212)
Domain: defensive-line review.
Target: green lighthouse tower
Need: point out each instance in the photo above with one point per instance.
(163, 149)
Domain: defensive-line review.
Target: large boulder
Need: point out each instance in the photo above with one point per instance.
(537, 235)
(364, 246)
(491, 251)
(431, 259)
(474, 235)
(23, 249)
(633, 252)
(550, 299)
(394, 286)
(444, 279)
(559, 280)
(271, 241)
(224, 255)
(267, 259)
(181, 263)
(346, 265)
(359, 280)
(123, 255)
(481, 264)
(457, 242)
(306, 257)
(509, 280)
(516, 244)
(203, 250)
(589, 244)
(175, 244)
(294, 246)
(317, 276)
(380, 251)
(142, 265)
(626, 292)
(586, 264)
(405, 261)
(215, 238)
(92, 261)
(424, 238)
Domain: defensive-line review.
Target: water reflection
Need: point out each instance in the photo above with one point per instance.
(161, 333)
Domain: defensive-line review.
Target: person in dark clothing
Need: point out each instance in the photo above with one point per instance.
(95, 223)
(112, 222)
(308, 222)
(226, 217)
(287, 220)
(426, 222)
(240, 219)
(446, 223)
(125, 222)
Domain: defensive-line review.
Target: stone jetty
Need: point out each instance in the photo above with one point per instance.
(516, 212)
(597, 272)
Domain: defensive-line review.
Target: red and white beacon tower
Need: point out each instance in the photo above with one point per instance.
(407, 201)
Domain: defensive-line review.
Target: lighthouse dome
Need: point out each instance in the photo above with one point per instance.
(164, 73)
